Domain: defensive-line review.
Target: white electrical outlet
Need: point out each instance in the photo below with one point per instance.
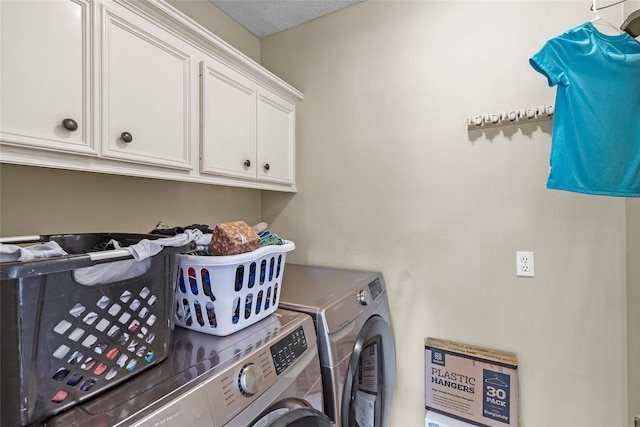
(524, 264)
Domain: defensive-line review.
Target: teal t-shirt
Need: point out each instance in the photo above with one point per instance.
(595, 142)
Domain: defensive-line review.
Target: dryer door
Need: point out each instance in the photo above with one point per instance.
(292, 413)
(368, 387)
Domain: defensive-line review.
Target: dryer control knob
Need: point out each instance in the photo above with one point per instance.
(363, 297)
(250, 379)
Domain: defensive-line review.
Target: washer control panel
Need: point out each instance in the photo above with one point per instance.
(363, 296)
(250, 376)
(237, 385)
(375, 288)
(287, 350)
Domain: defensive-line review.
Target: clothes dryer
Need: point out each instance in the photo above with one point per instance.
(357, 351)
(266, 375)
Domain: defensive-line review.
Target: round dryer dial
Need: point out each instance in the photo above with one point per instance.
(250, 379)
(363, 297)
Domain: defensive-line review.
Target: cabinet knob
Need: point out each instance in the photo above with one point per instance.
(266, 166)
(70, 124)
(247, 163)
(126, 137)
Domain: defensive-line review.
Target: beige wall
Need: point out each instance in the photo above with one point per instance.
(390, 179)
(48, 201)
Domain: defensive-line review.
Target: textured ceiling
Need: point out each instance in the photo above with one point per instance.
(265, 17)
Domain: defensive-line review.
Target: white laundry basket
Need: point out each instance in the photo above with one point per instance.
(220, 295)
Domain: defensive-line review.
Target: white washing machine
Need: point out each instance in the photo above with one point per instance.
(357, 351)
(267, 374)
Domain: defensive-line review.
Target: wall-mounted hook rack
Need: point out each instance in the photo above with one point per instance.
(507, 118)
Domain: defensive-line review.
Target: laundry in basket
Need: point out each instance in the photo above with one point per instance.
(232, 238)
(64, 342)
(219, 295)
(142, 252)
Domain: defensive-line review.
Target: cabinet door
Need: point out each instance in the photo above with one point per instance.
(228, 117)
(146, 74)
(276, 139)
(46, 74)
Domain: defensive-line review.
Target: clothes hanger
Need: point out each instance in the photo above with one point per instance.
(600, 20)
(609, 5)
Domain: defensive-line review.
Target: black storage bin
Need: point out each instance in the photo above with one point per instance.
(63, 342)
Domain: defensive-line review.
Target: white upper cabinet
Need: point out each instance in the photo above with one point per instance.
(146, 83)
(137, 88)
(276, 138)
(46, 75)
(247, 130)
(228, 116)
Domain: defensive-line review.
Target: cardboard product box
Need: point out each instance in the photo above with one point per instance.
(434, 419)
(471, 384)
